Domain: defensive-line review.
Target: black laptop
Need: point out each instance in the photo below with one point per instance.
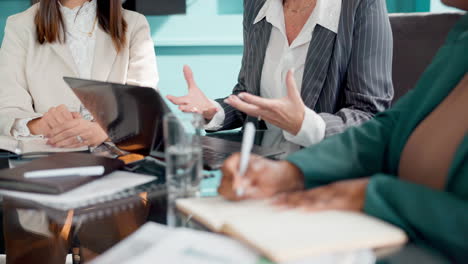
(133, 116)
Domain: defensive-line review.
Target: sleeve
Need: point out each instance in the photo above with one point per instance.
(433, 218)
(21, 129)
(358, 152)
(142, 69)
(312, 130)
(217, 122)
(233, 117)
(15, 100)
(368, 89)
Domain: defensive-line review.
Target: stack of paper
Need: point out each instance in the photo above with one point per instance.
(88, 193)
(32, 146)
(154, 243)
(290, 235)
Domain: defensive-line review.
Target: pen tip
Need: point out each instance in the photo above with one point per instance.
(240, 192)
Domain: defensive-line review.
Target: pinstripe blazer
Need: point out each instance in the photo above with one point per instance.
(347, 76)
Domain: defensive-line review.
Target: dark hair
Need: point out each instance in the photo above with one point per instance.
(51, 28)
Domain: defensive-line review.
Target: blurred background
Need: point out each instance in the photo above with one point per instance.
(206, 34)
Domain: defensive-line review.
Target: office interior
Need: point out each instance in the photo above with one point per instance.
(208, 36)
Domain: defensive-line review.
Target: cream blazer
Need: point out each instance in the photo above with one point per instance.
(31, 75)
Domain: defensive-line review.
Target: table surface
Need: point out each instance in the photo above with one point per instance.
(36, 234)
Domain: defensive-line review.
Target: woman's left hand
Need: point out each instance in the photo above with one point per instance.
(286, 113)
(346, 195)
(77, 133)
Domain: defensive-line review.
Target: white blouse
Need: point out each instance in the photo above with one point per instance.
(80, 27)
(279, 59)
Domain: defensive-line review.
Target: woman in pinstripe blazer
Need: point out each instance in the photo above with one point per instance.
(342, 55)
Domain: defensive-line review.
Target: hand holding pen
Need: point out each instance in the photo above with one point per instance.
(247, 145)
(253, 177)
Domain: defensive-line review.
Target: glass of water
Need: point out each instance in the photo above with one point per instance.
(182, 134)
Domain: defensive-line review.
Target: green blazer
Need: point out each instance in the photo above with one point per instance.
(431, 218)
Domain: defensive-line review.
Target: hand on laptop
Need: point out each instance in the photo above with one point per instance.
(195, 101)
(264, 178)
(53, 118)
(77, 133)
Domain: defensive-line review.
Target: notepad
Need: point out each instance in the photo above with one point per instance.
(32, 146)
(289, 235)
(85, 194)
(13, 179)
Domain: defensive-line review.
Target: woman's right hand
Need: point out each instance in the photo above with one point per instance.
(195, 101)
(264, 178)
(50, 120)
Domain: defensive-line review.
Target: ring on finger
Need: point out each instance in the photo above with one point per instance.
(80, 139)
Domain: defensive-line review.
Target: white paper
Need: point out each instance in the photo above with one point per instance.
(364, 256)
(135, 245)
(107, 185)
(181, 246)
(287, 235)
(155, 243)
(32, 145)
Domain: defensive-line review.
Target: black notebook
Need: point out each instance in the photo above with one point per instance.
(13, 179)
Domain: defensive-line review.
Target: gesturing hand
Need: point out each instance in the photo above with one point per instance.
(50, 120)
(264, 178)
(77, 133)
(343, 195)
(195, 101)
(286, 113)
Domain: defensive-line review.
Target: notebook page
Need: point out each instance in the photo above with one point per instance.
(154, 243)
(135, 245)
(8, 143)
(32, 145)
(291, 235)
(215, 211)
(105, 186)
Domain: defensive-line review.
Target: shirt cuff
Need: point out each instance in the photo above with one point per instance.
(218, 119)
(21, 129)
(312, 130)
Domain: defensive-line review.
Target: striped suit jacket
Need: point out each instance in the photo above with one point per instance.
(347, 76)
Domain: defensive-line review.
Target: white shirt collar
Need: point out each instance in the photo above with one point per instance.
(88, 5)
(79, 19)
(328, 13)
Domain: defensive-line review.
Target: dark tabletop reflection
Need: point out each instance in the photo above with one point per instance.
(36, 234)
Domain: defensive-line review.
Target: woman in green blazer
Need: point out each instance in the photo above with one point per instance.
(408, 166)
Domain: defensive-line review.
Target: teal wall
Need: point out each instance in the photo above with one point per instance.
(437, 6)
(408, 5)
(208, 38)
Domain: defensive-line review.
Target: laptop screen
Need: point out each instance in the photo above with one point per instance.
(132, 116)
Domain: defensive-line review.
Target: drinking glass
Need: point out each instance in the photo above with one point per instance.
(182, 135)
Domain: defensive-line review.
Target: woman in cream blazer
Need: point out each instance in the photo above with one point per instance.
(32, 73)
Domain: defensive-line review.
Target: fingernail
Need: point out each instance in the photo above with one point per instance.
(241, 96)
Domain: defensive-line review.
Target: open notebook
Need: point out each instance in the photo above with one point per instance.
(288, 235)
(31, 146)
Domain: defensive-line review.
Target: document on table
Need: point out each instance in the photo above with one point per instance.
(105, 186)
(32, 145)
(154, 243)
